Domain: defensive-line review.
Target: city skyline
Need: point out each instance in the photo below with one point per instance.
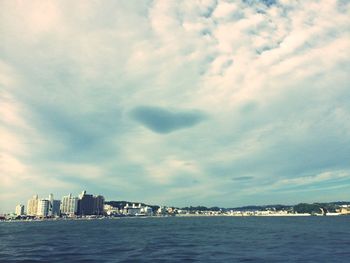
(95, 206)
(68, 205)
(216, 103)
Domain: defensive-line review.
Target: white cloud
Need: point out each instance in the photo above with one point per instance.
(306, 180)
(83, 171)
(272, 80)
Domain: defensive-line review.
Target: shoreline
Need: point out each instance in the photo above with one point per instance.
(166, 216)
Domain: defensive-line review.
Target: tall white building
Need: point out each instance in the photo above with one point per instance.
(32, 206)
(43, 207)
(69, 205)
(19, 210)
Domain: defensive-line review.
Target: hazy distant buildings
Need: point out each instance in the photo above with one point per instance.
(98, 205)
(54, 209)
(132, 209)
(69, 205)
(32, 206)
(137, 210)
(54, 206)
(344, 210)
(90, 205)
(111, 210)
(19, 210)
(146, 210)
(43, 207)
(86, 204)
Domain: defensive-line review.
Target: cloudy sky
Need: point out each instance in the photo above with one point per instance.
(175, 102)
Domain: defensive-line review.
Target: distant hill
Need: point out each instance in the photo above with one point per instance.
(299, 208)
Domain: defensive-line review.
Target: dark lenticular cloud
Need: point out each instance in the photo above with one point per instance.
(165, 121)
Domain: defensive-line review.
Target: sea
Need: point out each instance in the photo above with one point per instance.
(178, 239)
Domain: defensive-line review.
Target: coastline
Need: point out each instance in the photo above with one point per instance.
(165, 216)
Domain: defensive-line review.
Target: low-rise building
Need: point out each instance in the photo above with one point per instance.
(132, 210)
(345, 210)
(146, 210)
(111, 210)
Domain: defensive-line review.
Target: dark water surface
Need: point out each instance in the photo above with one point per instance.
(179, 239)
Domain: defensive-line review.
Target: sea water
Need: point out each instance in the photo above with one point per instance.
(178, 239)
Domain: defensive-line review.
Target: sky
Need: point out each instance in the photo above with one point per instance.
(216, 103)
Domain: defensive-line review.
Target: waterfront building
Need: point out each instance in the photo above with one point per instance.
(98, 205)
(54, 206)
(90, 205)
(54, 209)
(162, 210)
(43, 207)
(137, 210)
(111, 210)
(32, 206)
(86, 204)
(69, 205)
(146, 210)
(132, 210)
(345, 210)
(19, 210)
